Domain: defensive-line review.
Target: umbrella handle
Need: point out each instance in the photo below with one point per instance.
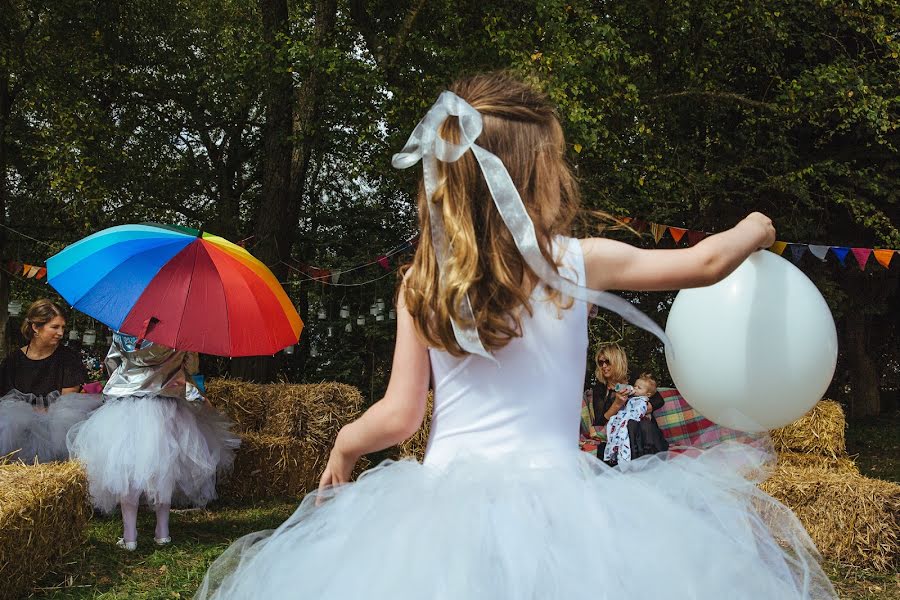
(148, 325)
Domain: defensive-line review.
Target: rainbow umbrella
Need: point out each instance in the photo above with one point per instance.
(179, 287)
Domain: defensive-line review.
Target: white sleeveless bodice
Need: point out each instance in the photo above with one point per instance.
(529, 402)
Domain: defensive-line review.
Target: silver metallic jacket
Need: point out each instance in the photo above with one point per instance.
(148, 369)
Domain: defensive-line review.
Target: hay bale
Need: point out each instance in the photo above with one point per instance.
(852, 519)
(827, 463)
(268, 466)
(275, 466)
(312, 412)
(414, 447)
(820, 431)
(44, 510)
(242, 402)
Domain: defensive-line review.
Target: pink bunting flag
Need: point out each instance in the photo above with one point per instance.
(658, 231)
(383, 261)
(677, 233)
(862, 256)
(884, 257)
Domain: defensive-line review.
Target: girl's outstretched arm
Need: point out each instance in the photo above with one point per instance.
(394, 418)
(612, 265)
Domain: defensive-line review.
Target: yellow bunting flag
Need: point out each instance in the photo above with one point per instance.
(658, 231)
(884, 257)
(778, 247)
(677, 233)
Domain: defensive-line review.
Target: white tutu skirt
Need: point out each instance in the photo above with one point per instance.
(685, 527)
(163, 448)
(41, 434)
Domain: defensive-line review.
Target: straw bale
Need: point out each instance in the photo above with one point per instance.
(820, 431)
(243, 402)
(44, 511)
(267, 466)
(827, 463)
(312, 412)
(414, 447)
(852, 519)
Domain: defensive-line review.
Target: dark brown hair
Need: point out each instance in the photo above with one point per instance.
(39, 314)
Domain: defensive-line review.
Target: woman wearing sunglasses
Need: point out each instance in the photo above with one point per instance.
(604, 402)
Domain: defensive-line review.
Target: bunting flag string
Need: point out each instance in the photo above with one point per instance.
(332, 276)
(25, 270)
(883, 256)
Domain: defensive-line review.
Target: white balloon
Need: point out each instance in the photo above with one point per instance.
(755, 351)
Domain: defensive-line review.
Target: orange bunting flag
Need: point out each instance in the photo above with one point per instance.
(677, 233)
(778, 247)
(626, 220)
(884, 257)
(862, 256)
(25, 269)
(658, 231)
(41, 272)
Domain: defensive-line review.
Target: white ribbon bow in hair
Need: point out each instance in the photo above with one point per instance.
(427, 145)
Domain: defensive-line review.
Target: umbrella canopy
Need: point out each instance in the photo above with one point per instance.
(179, 287)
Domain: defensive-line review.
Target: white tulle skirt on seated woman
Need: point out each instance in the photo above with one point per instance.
(164, 448)
(34, 428)
(541, 528)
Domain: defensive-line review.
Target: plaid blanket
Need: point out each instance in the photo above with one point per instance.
(680, 424)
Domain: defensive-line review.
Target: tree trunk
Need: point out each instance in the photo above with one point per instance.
(5, 113)
(864, 395)
(285, 164)
(274, 227)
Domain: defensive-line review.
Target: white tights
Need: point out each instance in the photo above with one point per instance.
(129, 504)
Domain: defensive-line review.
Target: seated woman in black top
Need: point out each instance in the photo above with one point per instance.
(612, 368)
(39, 383)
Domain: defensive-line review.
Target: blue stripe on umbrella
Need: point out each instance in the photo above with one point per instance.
(82, 249)
(78, 279)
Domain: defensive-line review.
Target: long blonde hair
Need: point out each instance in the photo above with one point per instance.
(618, 363)
(481, 258)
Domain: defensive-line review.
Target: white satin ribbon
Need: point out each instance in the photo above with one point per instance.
(427, 145)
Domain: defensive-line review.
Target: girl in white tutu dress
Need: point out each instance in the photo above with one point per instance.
(492, 312)
(148, 439)
(39, 384)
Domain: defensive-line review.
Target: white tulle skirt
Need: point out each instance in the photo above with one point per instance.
(30, 434)
(667, 526)
(163, 448)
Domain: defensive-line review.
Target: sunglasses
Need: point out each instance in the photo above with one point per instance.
(602, 362)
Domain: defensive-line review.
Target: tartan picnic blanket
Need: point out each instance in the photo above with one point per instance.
(681, 425)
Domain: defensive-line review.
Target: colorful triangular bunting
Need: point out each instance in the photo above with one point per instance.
(677, 233)
(884, 257)
(862, 256)
(383, 261)
(778, 247)
(841, 252)
(797, 252)
(694, 237)
(819, 252)
(658, 231)
(41, 272)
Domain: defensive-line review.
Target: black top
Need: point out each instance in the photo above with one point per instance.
(62, 369)
(604, 397)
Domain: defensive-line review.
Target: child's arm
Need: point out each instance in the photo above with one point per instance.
(612, 265)
(394, 418)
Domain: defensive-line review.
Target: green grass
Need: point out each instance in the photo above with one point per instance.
(877, 444)
(100, 570)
